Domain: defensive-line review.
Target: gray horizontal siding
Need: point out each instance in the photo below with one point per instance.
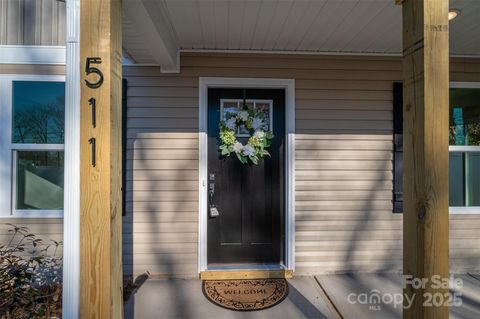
(344, 171)
(343, 162)
(161, 222)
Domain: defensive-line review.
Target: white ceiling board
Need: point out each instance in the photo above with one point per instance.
(293, 21)
(471, 46)
(339, 18)
(465, 29)
(185, 18)
(250, 18)
(280, 15)
(317, 31)
(352, 25)
(267, 13)
(314, 9)
(222, 16)
(387, 37)
(207, 27)
(335, 26)
(378, 28)
(236, 13)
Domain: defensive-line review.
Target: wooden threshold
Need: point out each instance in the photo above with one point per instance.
(246, 274)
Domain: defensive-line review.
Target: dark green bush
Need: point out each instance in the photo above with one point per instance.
(30, 276)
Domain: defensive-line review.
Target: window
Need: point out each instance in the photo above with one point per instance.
(33, 127)
(464, 141)
(230, 107)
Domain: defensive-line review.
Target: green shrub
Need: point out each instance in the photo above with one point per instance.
(30, 276)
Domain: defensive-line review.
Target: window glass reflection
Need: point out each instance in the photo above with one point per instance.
(457, 179)
(465, 116)
(39, 180)
(38, 112)
(472, 176)
(465, 160)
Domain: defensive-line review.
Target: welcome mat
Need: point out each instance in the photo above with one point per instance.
(246, 295)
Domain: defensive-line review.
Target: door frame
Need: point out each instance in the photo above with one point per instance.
(250, 83)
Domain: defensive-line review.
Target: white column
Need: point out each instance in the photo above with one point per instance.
(71, 218)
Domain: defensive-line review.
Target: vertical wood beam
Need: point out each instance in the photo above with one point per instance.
(425, 181)
(100, 184)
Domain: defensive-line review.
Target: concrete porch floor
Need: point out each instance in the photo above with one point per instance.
(325, 296)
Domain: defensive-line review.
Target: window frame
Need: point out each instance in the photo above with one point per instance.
(464, 148)
(254, 101)
(8, 156)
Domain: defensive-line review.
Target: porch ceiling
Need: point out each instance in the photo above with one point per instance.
(326, 26)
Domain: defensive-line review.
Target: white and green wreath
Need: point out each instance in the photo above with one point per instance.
(260, 139)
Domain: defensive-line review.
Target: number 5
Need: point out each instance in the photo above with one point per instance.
(91, 69)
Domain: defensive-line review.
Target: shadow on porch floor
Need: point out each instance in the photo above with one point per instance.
(183, 299)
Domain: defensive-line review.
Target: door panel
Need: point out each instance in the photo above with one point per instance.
(249, 198)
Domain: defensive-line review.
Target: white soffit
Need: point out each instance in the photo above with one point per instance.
(366, 27)
(148, 29)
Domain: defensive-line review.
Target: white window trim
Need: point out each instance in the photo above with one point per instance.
(7, 171)
(467, 210)
(289, 86)
(32, 54)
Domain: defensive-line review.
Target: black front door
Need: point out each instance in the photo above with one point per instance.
(249, 198)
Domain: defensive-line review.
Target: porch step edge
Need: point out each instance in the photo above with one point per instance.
(246, 274)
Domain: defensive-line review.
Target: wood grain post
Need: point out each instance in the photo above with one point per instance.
(425, 181)
(100, 184)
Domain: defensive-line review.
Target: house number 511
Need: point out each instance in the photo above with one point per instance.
(89, 69)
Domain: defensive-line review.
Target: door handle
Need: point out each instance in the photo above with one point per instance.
(212, 208)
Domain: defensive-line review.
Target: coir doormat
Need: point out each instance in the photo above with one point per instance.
(246, 295)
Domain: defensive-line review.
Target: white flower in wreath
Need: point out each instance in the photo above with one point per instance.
(230, 112)
(243, 115)
(231, 123)
(238, 147)
(248, 150)
(257, 123)
(259, 134)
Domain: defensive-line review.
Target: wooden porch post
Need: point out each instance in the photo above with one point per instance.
(100, 146)
(425, 181)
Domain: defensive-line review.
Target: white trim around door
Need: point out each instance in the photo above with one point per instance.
(254, 83)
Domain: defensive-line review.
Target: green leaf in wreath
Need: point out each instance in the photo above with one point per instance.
(241, 158)
(248, 124)
(254, 159)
